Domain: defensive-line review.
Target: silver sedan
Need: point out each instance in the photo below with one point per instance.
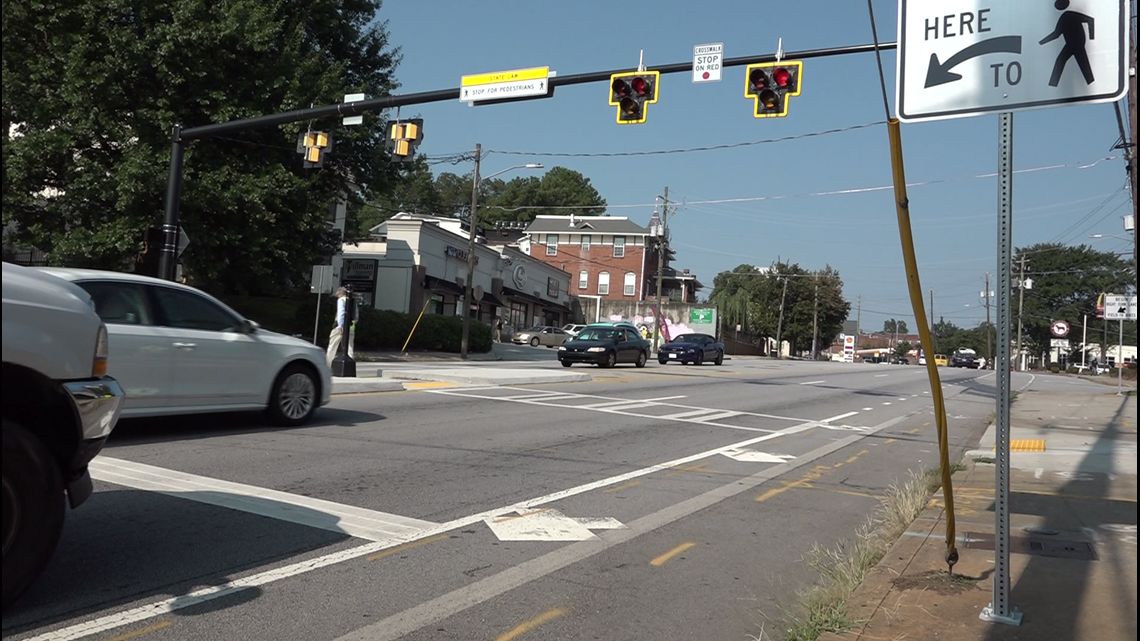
(542, 335)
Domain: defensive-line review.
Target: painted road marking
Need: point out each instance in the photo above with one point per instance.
(717, 417)
(548, 524)
(413, 619)
(659, 561)
(881, 375)
(838, 417)
(317, 513)
(138, 633)
(868, 409)
(428, 384)
(663, 398)
(407, 546)
(623, 486)
(753, 456)
(689, 414)
(527, 626)
(813, 382)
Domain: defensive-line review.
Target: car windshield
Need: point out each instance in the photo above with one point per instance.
(689, 338)
(535, 330)
(598, 334)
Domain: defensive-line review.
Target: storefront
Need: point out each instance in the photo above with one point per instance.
(420, 262)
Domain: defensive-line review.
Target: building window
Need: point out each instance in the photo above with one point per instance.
(583, 279)
(619, 246)
(552, 244)
(630, 283)
(517, 318)
(603, 283)
(586, 242)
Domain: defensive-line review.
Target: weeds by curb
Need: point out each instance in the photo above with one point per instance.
(843, 567)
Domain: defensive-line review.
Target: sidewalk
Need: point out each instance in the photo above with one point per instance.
(1072, 535)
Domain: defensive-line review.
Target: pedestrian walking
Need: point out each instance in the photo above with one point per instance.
(498, 329)
(337, 333)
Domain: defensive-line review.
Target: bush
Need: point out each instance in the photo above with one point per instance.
(380, 329)
(1073, 369)
(1055, 368)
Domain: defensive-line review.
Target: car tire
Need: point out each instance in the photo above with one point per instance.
(33, 509)
(700, 359)
(566, 363)
(642, 359)
(719, 358)
(534, 342)
(611, 360)
(295, 396)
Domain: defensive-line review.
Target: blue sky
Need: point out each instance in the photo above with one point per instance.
(954, 218)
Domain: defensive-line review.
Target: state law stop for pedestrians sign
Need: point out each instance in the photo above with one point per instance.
(962, 58)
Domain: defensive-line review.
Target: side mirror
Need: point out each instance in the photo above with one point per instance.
(249, 327)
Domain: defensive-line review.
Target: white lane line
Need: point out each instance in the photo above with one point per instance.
(431, 612)
(690, 414)
(868, 409)
(881, 375)
(628, 406)
(607, 404)
(718, 416)
(294, 508)
(663, 398)
(165, 606)
(886, 402)
(840, 416)
(813, 382)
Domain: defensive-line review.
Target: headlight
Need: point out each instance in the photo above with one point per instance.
(99, 362)
(562, 348)
(596, 349)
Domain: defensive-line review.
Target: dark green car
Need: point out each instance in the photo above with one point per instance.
(605, 346)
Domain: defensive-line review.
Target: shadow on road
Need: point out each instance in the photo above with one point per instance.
(137, 431)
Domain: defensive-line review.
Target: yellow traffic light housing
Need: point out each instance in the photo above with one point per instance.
(313, 146)
(403, 138)
(630, 92)
(771, 84)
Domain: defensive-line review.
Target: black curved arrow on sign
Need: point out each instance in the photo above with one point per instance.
(940, 74)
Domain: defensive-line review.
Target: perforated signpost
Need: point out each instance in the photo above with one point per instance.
(961, 58)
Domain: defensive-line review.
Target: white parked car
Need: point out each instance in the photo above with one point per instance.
(179, 350)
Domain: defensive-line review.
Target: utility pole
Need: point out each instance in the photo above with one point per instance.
(780, 323)
(989, 345)
(859, 317)
(1020, 303)
(660, 320)
(815, 322)
(472, 222)
(1132, 97)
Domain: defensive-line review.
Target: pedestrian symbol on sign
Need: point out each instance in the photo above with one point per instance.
(1071, 27)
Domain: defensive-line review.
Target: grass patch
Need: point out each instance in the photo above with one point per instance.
(843, 567)
(984, 459)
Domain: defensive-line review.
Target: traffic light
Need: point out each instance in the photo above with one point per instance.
(403, 138)
(313, 147)
(770, 84)
(630, 92)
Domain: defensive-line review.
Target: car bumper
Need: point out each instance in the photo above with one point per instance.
(98, 403)
(676, 356)
(582, 357)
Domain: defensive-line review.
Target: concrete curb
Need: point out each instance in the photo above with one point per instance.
(343, 385)
(490, 377)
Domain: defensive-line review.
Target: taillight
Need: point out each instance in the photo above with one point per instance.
(99, 363)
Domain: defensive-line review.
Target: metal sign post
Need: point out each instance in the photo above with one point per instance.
(999, 610)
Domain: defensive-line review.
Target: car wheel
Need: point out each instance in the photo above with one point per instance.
(534, 342)
(719, 358)
(295, 396)
(565, 363)
(700, 359)
(33, 509)
(642, 358)
(611, 360)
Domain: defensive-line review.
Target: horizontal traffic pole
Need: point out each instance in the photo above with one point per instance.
(387, 102)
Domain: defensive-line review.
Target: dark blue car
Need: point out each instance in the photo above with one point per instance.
(692, 348)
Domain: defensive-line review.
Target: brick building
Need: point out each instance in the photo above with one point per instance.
(608, 257)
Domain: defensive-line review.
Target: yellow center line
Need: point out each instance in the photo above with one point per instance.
(406, 546)
(519, 516)
(814, 475)
(623, 486)
(688, 468)
(852, 459)
(527, 626)
(917, 429)
(888, 441)
(659, 561)
(428, 384)
(150, 628)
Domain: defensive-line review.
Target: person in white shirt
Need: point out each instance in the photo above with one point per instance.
(337, 333)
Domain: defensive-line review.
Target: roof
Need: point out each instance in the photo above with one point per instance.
(586, 224)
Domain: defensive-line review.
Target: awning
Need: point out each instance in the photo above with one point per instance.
(443, 286)
(491, 299)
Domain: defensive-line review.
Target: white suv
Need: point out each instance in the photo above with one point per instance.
(179, 350)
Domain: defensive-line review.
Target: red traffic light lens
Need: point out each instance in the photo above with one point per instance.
(782, 76)
(641, 86)
(758, 78)
(620, 87)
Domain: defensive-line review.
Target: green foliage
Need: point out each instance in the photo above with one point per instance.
(902, 348)
(752, 298)
(380, 329)
(520, 199)
(1054, 368)
(892, 326)
(91, 89)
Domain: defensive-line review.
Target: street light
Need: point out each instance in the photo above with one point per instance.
(472, 221)
(1109, 236)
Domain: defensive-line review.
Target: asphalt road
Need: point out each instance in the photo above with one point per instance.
(666, 502)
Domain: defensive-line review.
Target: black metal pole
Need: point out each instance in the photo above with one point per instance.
(168, 256)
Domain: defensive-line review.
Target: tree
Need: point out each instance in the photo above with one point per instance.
(560, 192)
(893, 326)
(1067, 280)
(903, 348)
(88, 109)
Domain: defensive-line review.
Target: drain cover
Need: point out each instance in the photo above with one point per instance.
(1038, 547)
